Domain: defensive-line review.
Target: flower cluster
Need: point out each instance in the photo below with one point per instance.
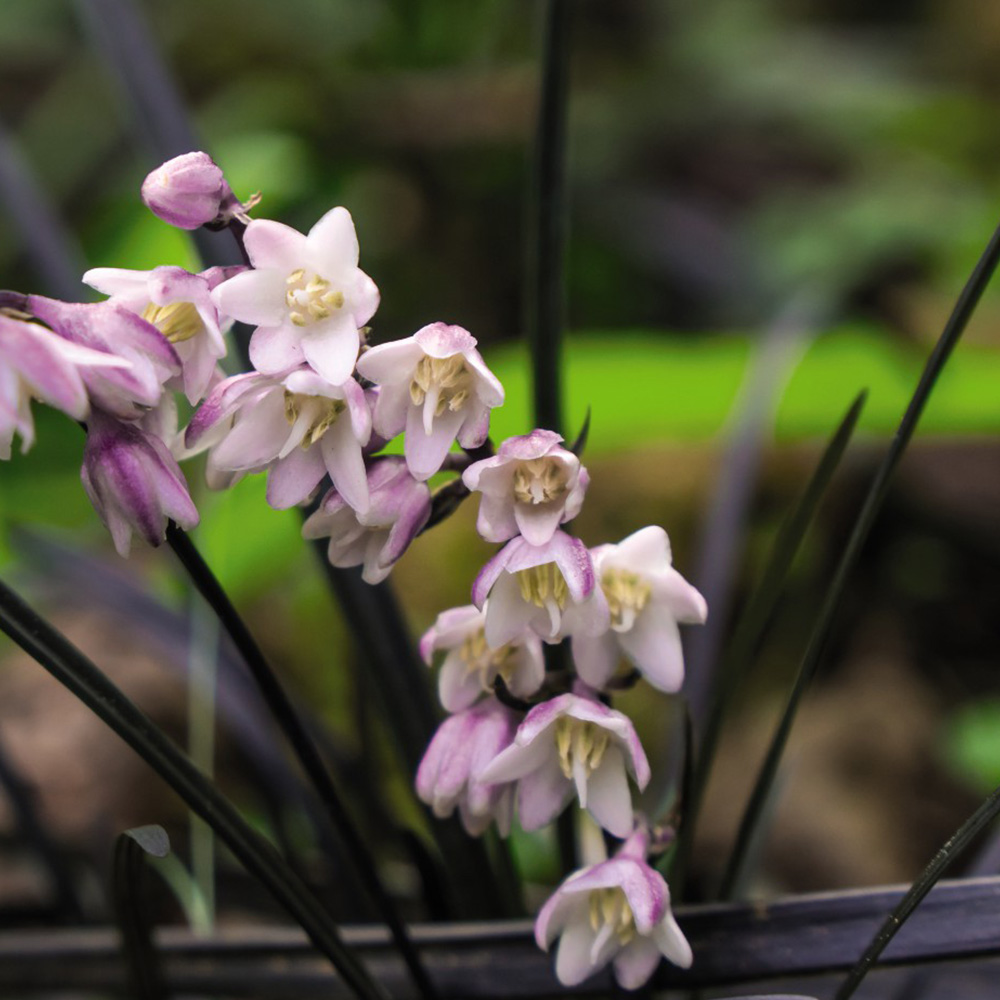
(314, 413)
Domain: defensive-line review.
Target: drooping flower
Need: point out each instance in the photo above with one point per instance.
(530, 487)
(450, 773)
(549, 589)
(617, 911)
(106, 326)
(647, 599)
(470, 666)
(573, 743)
(187, 191)
(133, 482)
(35, 362)
(179, 304)
(436, 387)
(298, 427)
(375, 538)
(305, 294)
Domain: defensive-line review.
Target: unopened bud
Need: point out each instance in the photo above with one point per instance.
(187, 191)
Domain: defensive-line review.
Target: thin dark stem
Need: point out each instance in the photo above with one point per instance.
(957, 843)
(295, 732)
(77, 673)
(953, 329)
(547, 221)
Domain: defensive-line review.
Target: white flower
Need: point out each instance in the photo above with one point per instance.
(470, 666)
(436, 386)
(530, 487)
(306, 296)
(647, 599)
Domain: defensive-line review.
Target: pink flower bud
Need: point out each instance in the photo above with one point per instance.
(187, 191)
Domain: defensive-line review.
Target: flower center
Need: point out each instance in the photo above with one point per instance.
(444, 381)
(315, 414)
(609, 908)
(627, 595)
(177, 321)
(542, 585)
(540, 480)
(488, 663)
(310, 297)
(581, 746)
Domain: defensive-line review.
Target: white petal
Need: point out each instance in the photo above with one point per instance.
(610, 802)
(255, 297)
(654, 646)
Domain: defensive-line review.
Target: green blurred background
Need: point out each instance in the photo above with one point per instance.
(727, 159)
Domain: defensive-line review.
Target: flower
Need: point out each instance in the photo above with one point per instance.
(548, 589)
(179, 304)
(647, 598)
(187, 191)
(617, 911)
(305, 294)
(124, 392)
(530, 486)
(573, 743)
(436, 386)
(36, 362)
(470, 666)
(133, 482)
(450, 773)
(298, 427)
(378, 536)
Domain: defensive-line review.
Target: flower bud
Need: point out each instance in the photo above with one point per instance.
(187, 191)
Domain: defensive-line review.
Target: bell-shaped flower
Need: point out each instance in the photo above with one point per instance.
(299, 427)
(470, 666)
(450, 774)
(187, 191)
(530, 487)
(548, 589)
(106, 326)
(647, 599)
(376, 537)
(436, 387)
(179, 304)
(305, 294)
(617, 911)
(133, 482)
(573, 744)
(35, 362)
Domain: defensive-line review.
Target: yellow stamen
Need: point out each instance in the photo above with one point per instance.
(177, 321)
(539, 480)
(540, 584)
(627, 594)
(478, 658)
(323, 411)
(309, 297)
(583, 742)
(609, 907)
(448, 375)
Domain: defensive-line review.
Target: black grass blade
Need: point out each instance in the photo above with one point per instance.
(308, 755)
(957, 321)
(141, 959)
(956, 844)
(548, 220)
(752, 623)
(77, 673)
(580, 443)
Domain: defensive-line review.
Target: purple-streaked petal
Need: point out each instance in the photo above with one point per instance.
(636, 962)
(441, 340)
(257, 436)
(342, 454)
(292, 479)
(542, 794)
(458, 687)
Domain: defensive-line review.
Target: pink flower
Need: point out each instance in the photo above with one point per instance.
(305, 295)
(647, 598)
(187, 191)
(133, 482)
(179, 304)
(530, 487)
(436, 386)
(125, 392)
(470, 666)
(298, 427)
(617, 911)
(36, 362)
(548, 589)
(378, 536)
(450, 774)
(569, 744)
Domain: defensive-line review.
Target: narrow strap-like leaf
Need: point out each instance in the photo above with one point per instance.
(757, 613)
(295, 732)
(929, 877)
(141, 959)
(953, 329)
(77, 673)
